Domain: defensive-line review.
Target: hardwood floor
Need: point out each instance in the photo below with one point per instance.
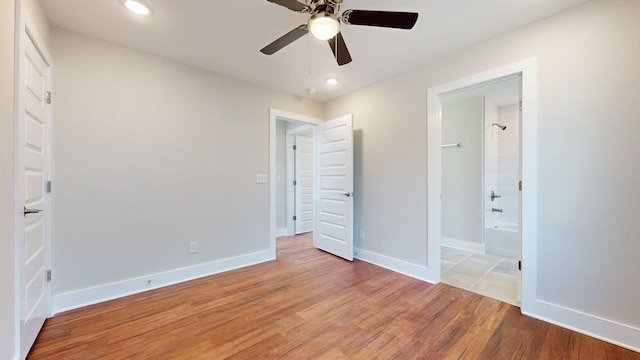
(310, 305)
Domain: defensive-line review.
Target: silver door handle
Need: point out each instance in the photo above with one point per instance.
(347, 194)
(31, 211)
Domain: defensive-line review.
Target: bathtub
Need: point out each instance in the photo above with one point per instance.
(502, 239)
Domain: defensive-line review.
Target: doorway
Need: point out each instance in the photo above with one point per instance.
(279, 121)
(299, 184)
(527, 219)
(480, 203)
(333, 182)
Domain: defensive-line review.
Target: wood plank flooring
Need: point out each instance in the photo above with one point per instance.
(310, 305)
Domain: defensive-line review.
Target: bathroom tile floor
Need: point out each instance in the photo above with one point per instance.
(489, 275)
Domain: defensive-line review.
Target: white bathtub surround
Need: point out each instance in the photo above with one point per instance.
(502, 173)
(502, 239)
(508, 169)
(491, 156)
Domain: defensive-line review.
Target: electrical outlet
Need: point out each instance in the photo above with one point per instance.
(262, 178)
(193, 247)
(362, 234)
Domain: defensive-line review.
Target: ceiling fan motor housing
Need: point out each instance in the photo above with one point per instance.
(325, 14)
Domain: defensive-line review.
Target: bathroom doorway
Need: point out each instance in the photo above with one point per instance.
(480, 198)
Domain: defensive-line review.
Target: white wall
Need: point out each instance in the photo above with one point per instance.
(151, 155)
(7, 269)
(588, 128)
(389, 178)
(462, 123)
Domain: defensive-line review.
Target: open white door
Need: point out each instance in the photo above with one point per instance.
(334, 182)
(32, 198)
(304, 184)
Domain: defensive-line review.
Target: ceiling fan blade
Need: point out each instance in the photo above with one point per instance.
(291, 5)
(285, 40)
(390, 19)
(339, 49)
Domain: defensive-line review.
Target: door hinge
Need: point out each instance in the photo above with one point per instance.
(520, 105)
(295, 183)
(47, 97)
(48, 275)
(520, 185)
(294, 218)
(519, 265)
(295, 148)
(48, 186)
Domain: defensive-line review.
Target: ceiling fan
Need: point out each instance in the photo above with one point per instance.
(324, 24)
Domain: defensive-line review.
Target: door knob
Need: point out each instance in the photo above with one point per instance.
(31, 211)
(347, 194)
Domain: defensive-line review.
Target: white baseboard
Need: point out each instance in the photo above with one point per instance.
(622, 335)
(462, 245)
(396, 265)
(281, 231)
(89, 296)
(619, 334)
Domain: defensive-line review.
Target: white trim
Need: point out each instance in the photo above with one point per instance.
(274, 116)
(281, 232)
(400, 266)
(607, 330)
(528, 70)
(462, 245)
(613, 332)
(93, 295)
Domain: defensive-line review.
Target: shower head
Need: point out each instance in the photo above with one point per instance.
(502, 127)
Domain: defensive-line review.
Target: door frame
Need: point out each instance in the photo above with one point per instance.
(528, 161)
(290, 176)
(274, 116)
(27, 31)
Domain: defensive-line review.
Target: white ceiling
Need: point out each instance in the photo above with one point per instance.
(225, 36)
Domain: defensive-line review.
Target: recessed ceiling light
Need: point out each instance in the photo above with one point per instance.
(137, 7)
(332, 81)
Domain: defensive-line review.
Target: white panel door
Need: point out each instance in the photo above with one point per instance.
(32, 199)
(304, 184)
(334, 182)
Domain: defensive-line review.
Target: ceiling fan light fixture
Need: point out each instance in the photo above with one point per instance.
(137, 7)
(324, 26)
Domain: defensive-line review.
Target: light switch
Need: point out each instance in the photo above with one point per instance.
(262, 178)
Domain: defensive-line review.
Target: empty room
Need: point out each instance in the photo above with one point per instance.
(319, 179)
